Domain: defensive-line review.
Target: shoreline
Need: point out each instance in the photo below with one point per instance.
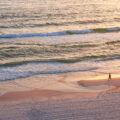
(63, 88)
(46, 94)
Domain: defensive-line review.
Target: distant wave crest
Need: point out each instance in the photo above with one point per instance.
(68, 32)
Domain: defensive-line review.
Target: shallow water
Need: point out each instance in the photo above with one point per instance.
(57, 37)
(24, 57)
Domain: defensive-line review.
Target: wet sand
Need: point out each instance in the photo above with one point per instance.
(89, 83)
(43, 95)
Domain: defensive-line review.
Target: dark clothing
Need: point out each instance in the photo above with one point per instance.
(109, 78)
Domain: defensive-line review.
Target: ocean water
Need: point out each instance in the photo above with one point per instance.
(58, 36)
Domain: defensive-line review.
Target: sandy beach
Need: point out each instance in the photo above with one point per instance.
(41, 104)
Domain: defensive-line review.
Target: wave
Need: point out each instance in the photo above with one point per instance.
(68, 32)
(12, 75)
(64, 61)
(46, 24)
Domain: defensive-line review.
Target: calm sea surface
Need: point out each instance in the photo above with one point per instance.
(38, 16)
(58, 36)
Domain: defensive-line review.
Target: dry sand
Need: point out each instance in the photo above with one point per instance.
(59, 105)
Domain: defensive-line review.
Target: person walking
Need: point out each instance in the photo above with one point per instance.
(109, 78)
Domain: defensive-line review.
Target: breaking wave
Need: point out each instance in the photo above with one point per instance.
(68, 32)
